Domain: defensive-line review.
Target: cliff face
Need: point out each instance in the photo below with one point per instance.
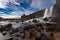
(56, 12)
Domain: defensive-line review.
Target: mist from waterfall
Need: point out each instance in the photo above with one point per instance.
(48, 12)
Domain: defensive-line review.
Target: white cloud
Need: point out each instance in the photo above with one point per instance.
(3, 0)
(8, 16)
(20, 13)
(42, 4)
(14, 2)
(2, 6)
(3, 3)
(27, 12)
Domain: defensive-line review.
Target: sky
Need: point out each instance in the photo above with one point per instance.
(16, 8)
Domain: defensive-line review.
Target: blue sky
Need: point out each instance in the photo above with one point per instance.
(16, 8)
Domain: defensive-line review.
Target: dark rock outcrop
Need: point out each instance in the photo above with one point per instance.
(56, 12)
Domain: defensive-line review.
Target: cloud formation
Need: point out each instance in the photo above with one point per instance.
(20, 7)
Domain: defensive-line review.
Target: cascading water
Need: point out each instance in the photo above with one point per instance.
(48, 12)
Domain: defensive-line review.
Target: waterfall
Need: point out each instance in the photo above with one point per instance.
(48, 12)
